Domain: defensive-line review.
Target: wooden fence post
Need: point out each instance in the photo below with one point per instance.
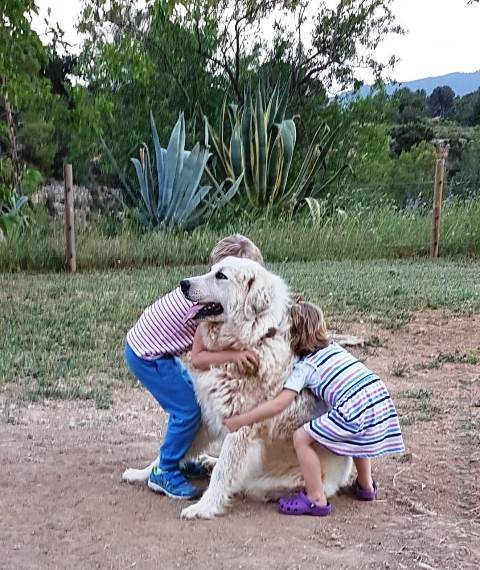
(442, 154)
(71, 256)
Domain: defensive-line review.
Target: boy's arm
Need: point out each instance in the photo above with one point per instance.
(262, 412)
(202, 358)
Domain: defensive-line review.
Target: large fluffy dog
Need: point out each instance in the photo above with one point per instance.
(242, 305)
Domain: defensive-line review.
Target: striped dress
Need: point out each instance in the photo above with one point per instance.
(362, 420)
(164, 328)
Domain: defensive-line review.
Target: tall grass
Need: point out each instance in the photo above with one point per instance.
(380, 233)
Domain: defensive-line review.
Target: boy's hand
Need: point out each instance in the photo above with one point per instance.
(246, 361)
(234, 423)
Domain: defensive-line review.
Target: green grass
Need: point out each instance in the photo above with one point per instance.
(379, 234)
(400, 369)
(418, 407)
(472, 357)
(62, 335)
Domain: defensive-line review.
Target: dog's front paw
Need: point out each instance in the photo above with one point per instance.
(198, 511)
(133, 476)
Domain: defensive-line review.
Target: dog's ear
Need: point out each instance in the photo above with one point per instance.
(258, 299)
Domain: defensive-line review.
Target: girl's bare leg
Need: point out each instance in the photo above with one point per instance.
(310, 466)
(364, 472)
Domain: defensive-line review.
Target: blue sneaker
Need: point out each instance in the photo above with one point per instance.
(194, 470)
(171, 483)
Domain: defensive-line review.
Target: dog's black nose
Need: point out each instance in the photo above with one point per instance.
(185, 286)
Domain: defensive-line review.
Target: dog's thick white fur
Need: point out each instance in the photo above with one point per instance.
(258, 461)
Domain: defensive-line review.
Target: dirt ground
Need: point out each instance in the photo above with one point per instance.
(63, 504)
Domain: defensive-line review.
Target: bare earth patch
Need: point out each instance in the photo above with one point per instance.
(63, 504)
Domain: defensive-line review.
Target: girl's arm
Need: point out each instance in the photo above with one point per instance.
(202, 358)
(261, 412)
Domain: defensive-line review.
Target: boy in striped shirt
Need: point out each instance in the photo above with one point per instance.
(164, 332)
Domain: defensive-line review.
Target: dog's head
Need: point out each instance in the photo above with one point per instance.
(236, 290)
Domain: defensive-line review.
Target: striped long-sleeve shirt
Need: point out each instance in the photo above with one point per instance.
(163, 328)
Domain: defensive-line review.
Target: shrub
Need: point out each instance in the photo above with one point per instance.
(261, 143)
(170, 194)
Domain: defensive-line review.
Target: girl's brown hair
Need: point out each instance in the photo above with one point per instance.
(308, 331)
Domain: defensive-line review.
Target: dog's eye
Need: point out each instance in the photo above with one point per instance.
(220, 275)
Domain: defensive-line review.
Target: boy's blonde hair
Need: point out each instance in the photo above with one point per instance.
(308, 331)
(236, 246)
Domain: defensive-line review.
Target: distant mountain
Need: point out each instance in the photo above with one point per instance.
(461, 83)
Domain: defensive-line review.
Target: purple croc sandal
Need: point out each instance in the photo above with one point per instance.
(300, 504)
(365, 494)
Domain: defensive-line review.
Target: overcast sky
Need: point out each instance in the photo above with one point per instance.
(443, 35)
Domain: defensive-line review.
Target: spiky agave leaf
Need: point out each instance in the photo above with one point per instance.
(174, 157)
(142, 176)
(248, 151)
(260, 149)
(187, 186)
(160, 155)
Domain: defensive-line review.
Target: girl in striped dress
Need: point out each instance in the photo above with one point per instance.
(361, 422)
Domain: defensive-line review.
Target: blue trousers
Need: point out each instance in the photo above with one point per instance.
(169, 383)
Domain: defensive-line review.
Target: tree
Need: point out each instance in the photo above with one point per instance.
(466, 109)
(138, 59)
(466, 182)
(406, 136)
(441, 101)
(25, 93)
(344, 39)
(410, 105)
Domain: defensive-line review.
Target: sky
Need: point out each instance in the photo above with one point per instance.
(442, 35)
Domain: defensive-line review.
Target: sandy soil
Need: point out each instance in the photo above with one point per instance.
(63, 504)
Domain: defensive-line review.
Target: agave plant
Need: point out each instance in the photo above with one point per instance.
(170, 191)
(10, 209)
(261, 144)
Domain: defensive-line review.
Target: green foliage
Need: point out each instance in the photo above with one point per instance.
(466, 109)
(411, 181)
(261, 144)
(467, 180)
(10, 213)
(10, 204)
(21, 53)
(80, 129)
(36, 138)
(404, 137)
(367, 182)
(23, 84)
(410, 105)
(170, 194)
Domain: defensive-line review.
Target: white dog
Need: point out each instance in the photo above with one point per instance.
(242, 305)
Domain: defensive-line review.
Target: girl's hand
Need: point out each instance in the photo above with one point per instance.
(246, 361)
(234, 423)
